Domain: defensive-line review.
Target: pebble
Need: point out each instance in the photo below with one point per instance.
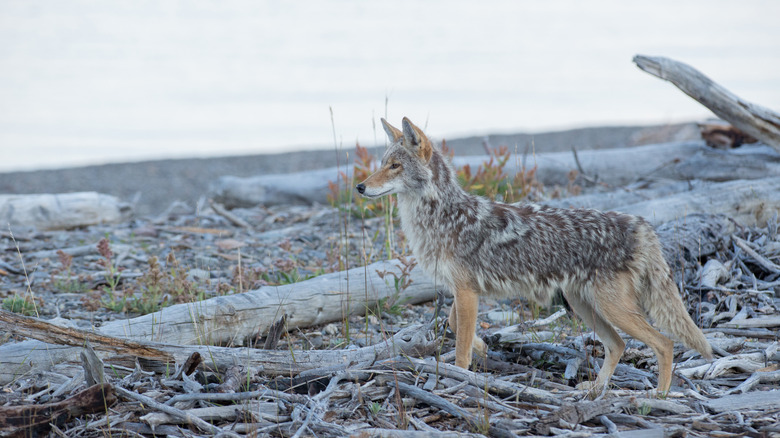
(286, 243)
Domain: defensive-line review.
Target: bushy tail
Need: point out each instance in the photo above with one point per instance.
(662, 302)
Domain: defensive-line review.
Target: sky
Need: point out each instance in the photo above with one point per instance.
(85, 82)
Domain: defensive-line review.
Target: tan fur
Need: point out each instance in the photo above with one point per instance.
(609, 266)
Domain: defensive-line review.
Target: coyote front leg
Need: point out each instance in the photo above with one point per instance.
(463, 322)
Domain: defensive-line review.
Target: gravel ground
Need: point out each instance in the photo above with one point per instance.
(186, 255)
(153, 185)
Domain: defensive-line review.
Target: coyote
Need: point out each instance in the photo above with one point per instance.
(607, 266)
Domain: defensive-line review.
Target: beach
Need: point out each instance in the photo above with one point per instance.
(151, 186)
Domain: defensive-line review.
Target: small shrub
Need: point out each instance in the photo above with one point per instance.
(62, 278)
(27, 306)
(491, 180)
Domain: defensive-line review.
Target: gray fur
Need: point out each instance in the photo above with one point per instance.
(536, 251)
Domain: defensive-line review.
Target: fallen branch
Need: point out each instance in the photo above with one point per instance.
(749, 202)
(34, 420)
(232, 319)
(486, 383)
(414, 340)
(757, 121)
(185, 417)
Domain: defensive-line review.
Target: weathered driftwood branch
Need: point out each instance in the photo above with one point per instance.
(757, 121)
(44, 331)
(484, 382)
(62, 211)
(414, 341)
(34, 420)
(234, 318)
(615, 167)
(749, 202)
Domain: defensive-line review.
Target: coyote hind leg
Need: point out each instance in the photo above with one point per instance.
(613, 344)
(621, 308)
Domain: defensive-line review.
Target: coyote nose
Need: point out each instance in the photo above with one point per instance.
(360, 188)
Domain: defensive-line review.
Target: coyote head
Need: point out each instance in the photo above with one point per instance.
(404, 165)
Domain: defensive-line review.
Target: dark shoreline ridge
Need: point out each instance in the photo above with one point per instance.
(153, 185)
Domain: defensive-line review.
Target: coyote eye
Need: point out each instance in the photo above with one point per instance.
(395, 165)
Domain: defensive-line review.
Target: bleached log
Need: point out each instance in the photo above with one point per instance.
(615, 167)
(281, 189)
(759, 400)
(755, 120)
(62, 211)
(749, 202)
(231, 319)
(22, 358)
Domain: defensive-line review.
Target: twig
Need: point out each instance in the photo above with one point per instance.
(756, 379)
(592, 180)
(233, 219)
(435, 401)
(275, 333)
(178, 413)
(520, 392)
(236, 396)
(761, 260)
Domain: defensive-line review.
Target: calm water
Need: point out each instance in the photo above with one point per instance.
(91, 82)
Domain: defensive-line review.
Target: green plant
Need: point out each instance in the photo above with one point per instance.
(26, 306)
(401, 281)
(375, 408)
(644, 409)
(286, 272)
(111, 273)
(491, 180)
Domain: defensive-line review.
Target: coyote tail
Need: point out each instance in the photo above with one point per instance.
(662, 302)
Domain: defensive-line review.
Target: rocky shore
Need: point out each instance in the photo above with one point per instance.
(152, 186)
(181, 248)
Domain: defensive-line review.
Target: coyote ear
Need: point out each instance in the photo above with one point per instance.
(392, 132)
(416, 140)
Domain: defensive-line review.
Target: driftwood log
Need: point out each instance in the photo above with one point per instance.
(749, 202)
(415, 340)
(613, 167)
(232, 319)
(755, 120)
(62, 211)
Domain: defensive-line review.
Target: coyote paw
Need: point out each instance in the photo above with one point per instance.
(593, 388)
(586, 386)
(479, 346)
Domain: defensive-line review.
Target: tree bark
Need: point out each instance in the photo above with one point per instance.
(757, 121)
